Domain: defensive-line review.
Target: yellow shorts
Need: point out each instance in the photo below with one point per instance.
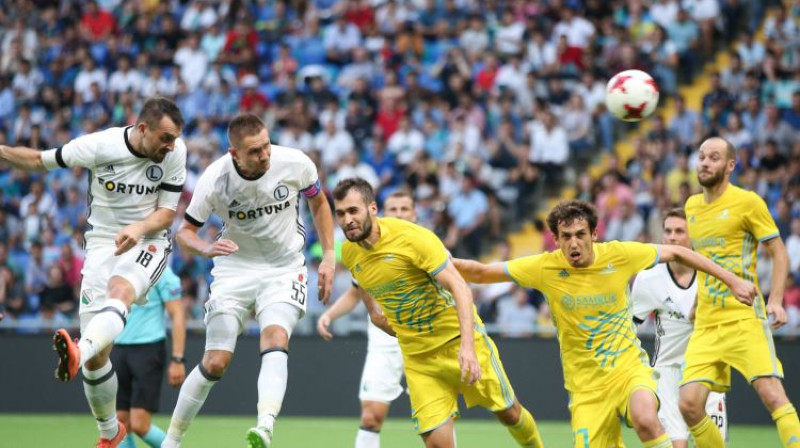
(434, 382)
(597, 415)
(745, 345)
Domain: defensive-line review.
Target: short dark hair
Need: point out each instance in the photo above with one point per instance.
(566, 212)
(154, 110)
(674, 213)
(242, 125)
(354, 183)
(401, 193)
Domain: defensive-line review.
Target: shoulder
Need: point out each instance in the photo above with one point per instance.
(288, 155)
(693, 201)
(114, 135)
(180, 151)
(657, 271)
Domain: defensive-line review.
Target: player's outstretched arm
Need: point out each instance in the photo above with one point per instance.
(177, 314)
(375, 314)
(189, 241)
(477, 272)
(780, 270)
(452, 280)
(341, 306)
(323, 221)
(22, 158)
(128, 237)
(743, 290)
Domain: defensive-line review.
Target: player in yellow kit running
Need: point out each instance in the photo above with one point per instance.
(606, 372)
(727, 224)
(427, 304)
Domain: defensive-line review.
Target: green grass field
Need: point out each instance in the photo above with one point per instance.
(33, 430)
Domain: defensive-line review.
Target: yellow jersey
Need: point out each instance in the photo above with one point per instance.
(398, 273)
(591, 309)
(728, 231)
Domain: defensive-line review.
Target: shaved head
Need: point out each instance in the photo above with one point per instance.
(717, 142)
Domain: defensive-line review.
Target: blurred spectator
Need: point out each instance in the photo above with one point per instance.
(549, 147)
(57, 293)
(468, 209)
(627, 226)
(199, 15)
(793, 247)
(686, 124)
(516, 317)
(751, 51)
(341, 38)
(791, 301)
(333, 144)
(685, 34)
(406, 142)
(36, 271)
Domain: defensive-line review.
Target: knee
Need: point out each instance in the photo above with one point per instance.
(216, 364)
(122, 289)
(646, 422)
(692, 409)
(140, 427)
(371, 420)
(99, 360)
(511, 415)
(274, 337)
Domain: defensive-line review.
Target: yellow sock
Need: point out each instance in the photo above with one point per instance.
(706, 434)
(785, 418)
(525, 431)
(659, 442)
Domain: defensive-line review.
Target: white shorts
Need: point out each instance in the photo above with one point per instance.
(380, 380)
(142, 266)
(670, 414)
(277, 298)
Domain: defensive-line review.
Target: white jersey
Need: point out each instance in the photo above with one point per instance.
(124, 186)
(261, 215)
(655, 290)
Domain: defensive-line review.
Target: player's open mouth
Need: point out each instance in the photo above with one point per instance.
(575, 256)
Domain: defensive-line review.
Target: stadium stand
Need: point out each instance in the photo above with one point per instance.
(487, 111)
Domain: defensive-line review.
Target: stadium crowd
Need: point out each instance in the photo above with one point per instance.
(483, 109)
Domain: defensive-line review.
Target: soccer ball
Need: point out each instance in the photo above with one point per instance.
(631, 95)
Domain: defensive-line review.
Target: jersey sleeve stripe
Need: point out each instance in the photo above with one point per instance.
(60, 157)
(172, 188)
(191, 220)
(508, 273)
(658, 257)
(312, 190)
(769, 237)
(440, 268)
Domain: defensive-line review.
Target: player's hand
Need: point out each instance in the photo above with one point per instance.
(322, 327)
(127, 238)
(744, 291)
(778, 314)
(176, 374)
(221, 247)
(327, 267)
(470, 369)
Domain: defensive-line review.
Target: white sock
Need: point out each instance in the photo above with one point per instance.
(368, 439)
(100, 387)
(272, 386)
(103, 329)
(191, 398)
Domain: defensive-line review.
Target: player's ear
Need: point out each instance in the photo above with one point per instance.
(594, 235)
(373, 208)
(232, 151)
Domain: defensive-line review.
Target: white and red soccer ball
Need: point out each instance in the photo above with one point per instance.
(631, 95)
